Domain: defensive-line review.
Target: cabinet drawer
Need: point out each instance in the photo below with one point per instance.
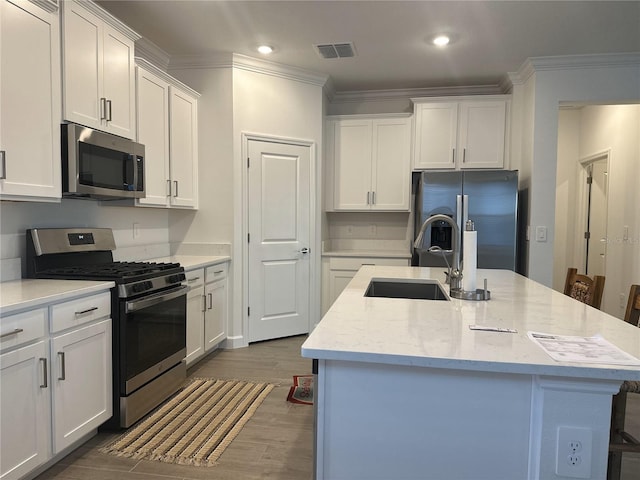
(22, 328)
(77, 312)
(354, 263)
(195, 278)
(215, 272)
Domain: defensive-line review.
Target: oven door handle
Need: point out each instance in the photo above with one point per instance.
(151, 300)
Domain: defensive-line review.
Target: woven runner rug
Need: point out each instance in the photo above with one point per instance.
(196, 425)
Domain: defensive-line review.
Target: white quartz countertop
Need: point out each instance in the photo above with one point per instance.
(19, 295)
(190, 262)
(432, 333)
(368, 253)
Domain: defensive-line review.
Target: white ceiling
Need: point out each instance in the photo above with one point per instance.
(491, 38)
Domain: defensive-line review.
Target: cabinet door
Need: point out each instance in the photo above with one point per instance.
(338, 280)
(352, 164)
(482, 134)
(391, 179)
(183, 125)
(25, 422)
(153, 133)
(81, 380)
(118, 83)
(195, 323)
(30, 99)
(82, 67)
(435, 135)
(216, 314)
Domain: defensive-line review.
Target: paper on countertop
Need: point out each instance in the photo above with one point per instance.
(596, 349)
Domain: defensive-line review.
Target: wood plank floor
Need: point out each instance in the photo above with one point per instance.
(275, 444)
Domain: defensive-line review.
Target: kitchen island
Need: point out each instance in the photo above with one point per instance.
(405, 390)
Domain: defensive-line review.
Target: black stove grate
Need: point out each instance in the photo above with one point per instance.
(110, 271)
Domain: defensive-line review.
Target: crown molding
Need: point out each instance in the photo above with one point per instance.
(572, 62)
(49, 6)
(244, 62)
(395, 94)
(152, 53)
(157, 71)
(109, 19)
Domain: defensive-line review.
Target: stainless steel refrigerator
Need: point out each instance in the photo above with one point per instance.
(487, 197)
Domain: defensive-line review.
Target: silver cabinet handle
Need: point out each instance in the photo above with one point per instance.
(103, 108)
(63, 370)
(3, 160)
(168, 188)
(190, 280)
(218, 272)
(204, 303)
(176, 184)
(464, 155)
(304, 250)
(88, 310)
(109, 110)
(373, 198)
(368, 198)
(453, 157)
(15, 332)
(210, 295)
(45, 374)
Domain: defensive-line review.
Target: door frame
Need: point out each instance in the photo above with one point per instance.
(314, 231)
(582, 193)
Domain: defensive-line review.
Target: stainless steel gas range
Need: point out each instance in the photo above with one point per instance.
(148, 309)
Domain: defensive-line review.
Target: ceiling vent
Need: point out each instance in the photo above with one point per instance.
(335, 50)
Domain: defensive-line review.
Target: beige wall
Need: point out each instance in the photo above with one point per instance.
(582, 134)
(238, 99)
(590, 80)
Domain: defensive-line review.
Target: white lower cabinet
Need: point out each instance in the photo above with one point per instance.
(207, 304)
(81, 382)
(24, 410)
(55, 380)
(337, 272)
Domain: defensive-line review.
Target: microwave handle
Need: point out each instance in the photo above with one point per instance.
(134, 160)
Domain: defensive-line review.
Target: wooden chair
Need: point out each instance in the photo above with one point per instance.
(621, 441)
(584, 288)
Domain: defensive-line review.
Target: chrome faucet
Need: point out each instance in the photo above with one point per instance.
(454, 274)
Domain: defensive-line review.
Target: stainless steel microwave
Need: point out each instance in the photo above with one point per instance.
(99, 165)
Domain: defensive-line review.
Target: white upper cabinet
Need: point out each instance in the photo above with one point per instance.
(460, 133)
(167, 124)
(368, 162)
(30, 98)
(183, 144)
(98, 69)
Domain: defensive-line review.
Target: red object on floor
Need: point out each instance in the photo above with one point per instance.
(302, 390)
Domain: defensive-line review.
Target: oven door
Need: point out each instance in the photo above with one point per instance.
(153, 336)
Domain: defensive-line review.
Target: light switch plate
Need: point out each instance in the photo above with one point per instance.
(541, 234)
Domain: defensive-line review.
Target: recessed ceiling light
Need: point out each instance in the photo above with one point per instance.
(441, 40)
(265, 49)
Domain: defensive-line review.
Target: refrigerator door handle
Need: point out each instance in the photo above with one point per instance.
(465, 212)
(459, 212)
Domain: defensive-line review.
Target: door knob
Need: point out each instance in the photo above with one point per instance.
(304, 250)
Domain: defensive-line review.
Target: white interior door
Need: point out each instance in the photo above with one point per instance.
(279, 234)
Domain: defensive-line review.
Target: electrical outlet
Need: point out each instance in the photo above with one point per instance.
(136, 229)
(623, 300)
(541, 234)
(373, 229)
(349, 230)
(573, 458)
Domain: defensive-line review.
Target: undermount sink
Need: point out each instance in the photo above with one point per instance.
(403, 288)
